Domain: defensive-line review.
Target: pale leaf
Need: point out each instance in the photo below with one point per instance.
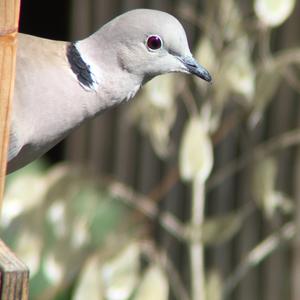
(29, 248)
(154, 285)
(267, 83)
(238, 69)
(277, 201)
(284, 203)
(230, 18)
(155, 112)
(220, 229)
(273, 12)
(121, 274)
(160, 91)
(264, 176)
(53, 268)
(196, 152)
(211, 117)
(26, 192)
(214, 286)
(80, 233)
(56, 214)
(206, 55)
(89, 285)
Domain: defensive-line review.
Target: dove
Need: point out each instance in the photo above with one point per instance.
(59, 85)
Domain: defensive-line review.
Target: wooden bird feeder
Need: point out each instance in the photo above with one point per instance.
(14, 275)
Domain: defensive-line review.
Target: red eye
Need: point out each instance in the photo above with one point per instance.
(154, 42)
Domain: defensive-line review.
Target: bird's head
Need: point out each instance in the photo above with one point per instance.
(148, 43)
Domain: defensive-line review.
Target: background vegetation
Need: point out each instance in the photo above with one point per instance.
(190, 191)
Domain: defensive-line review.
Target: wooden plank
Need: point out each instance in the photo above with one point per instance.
(14, 275)
(9, 16)
(14, 279)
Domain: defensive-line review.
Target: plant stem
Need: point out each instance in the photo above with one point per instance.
(196, 247)
(260, 252)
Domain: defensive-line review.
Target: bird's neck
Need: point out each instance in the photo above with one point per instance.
(104, 77)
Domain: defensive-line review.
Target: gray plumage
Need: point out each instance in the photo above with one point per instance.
(59, 85)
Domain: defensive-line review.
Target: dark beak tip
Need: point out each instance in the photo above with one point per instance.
(194, 68)
(207, 77)
(203, 74)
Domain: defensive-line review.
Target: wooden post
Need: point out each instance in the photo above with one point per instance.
(13, 273)
(9, 16)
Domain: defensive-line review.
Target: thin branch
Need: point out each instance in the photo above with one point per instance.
(161, 258)
(146, 206)
(287, 139)
(202, 22)
(189, 101)
(264, 43)
(175, 281)
(187, 12)
(292, 79)
(258, 254)
(228, 124)
(287, 57)
(173, 176)
(165, 185)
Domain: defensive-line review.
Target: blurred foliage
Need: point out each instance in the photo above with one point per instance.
(81, 240)
(158, 100)
(196, 153)
(267, 197)
(63, 224)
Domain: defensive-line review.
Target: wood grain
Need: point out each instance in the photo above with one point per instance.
(14, 275)
(9, 16)
(14, 278)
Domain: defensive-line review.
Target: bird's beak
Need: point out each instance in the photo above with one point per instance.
(193, 67)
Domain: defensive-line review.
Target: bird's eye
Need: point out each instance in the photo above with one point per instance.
(154, 42)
